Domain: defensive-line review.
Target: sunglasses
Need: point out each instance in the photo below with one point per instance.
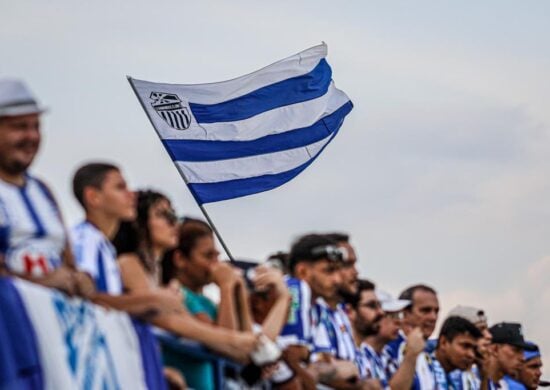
(168, 215)
(374, 305)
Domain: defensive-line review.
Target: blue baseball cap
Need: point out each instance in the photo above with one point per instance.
(528, 355)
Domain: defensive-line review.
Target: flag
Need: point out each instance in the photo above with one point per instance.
(250, 134)
(79, 345)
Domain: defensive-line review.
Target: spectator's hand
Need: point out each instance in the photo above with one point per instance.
(267, 277)
(168, 300)
(85, 286)
(415, 342)
(224, 274)
(61, 278)
(345, 369)
(174, 285)
(296, 353)
(174, 378)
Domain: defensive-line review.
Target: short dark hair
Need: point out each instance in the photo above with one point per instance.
(301, 249)
(90, 175)
(454, 326)
(338, 237)
(353, 299)
(408, 293)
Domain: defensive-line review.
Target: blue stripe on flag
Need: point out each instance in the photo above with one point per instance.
(294, 90)
(195, 150)
(215, 192)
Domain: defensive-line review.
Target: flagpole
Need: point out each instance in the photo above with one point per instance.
(203, 210)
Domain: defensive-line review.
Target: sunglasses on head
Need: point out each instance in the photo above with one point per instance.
(331, 252)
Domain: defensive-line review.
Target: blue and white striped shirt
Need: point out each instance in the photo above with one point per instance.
(338, 330)
(96, 256)
(32, 235)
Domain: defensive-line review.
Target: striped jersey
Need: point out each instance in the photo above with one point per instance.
(96, 256)
(32, 235)
(375, 363)
(424, 378)
(465, 380)
(334, 325)
(299, 327)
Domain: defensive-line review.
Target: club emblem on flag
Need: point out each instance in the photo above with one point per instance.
(170, 108)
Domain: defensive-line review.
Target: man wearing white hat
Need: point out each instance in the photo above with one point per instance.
(376, 345)
(33, 242)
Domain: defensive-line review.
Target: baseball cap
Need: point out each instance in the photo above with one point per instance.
(389, 303)
(472, 314)
(528, 355)
(17, 99)
(510, 333)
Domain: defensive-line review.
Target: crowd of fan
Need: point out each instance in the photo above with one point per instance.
(302, 319)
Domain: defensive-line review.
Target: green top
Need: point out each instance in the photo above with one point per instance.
(199, 374)
(198, 303)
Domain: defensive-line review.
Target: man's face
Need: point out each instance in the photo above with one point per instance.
(324, 278)
(389, 326)
(530, 373)
(348, 270)
(19, 142)
(509, 358)
(423, 313)
(460, 352)
(369, 314)
(115, 199)
(485, 340)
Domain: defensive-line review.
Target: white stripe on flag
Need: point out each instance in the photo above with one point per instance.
(276, 121)
(240, 168)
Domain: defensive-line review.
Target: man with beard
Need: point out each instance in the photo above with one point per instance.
(314, 263)
(456, 349)
(330, 311)
(33, 241)
(377, 349)
(419, 317)
(365, 313)
(506, 353)
(348, 269)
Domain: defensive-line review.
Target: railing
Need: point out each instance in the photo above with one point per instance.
(192, 349)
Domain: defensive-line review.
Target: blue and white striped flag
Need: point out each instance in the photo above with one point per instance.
(250, 134)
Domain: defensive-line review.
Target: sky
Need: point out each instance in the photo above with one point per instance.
(440, 173)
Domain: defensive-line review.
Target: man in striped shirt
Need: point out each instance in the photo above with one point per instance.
(33, 241)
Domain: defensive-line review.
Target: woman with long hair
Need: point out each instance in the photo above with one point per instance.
(141, 245)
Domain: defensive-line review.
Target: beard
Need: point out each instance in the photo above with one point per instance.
(14, 166)
(368, 328)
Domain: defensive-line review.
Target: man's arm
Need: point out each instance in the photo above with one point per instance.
(276, 318)
(224, 276)
(404, 376)
(143, 303)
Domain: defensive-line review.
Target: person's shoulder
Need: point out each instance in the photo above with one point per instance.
(129, 259)
(513, 384)
(85, 233)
